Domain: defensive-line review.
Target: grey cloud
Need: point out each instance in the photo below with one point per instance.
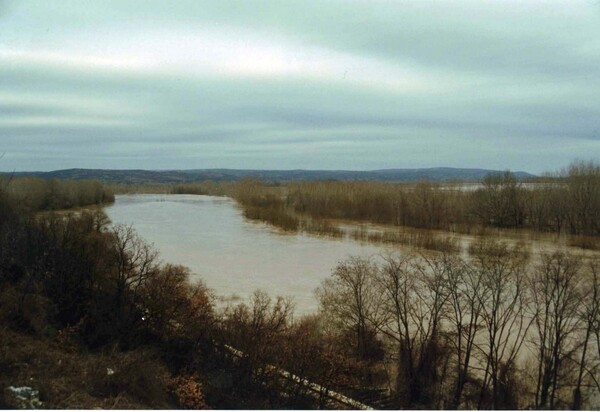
(522, 89)
(9, 110)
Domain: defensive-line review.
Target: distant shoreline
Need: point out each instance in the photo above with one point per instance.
(137, 176)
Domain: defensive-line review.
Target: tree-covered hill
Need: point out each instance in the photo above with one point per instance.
(184, 176)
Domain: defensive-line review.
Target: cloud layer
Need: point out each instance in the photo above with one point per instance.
(270, 84)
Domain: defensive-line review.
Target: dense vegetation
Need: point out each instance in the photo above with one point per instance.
(90, 317)
(568, 202)
(207, 187)
(74, 288)
(35, 194)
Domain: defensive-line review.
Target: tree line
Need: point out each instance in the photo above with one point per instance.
(34, 194)
(207, 187)
(566, 202)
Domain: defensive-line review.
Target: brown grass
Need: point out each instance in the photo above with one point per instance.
(275, 215)
(423, 240)
(70, 379)
(321, 227)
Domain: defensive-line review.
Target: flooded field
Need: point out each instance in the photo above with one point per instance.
(236, 256)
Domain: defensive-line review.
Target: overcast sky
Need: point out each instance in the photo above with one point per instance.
(298, 84)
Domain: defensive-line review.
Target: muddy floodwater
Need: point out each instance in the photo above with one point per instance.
(233, 255)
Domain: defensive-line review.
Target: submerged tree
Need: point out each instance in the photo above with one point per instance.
(583, 188)
(503, 299)
(465, 286)
(590, 318)
(499, 202)
(556, 291)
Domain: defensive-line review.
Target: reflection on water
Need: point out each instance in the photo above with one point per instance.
(232, 255)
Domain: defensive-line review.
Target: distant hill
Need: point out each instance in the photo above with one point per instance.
(185, 176)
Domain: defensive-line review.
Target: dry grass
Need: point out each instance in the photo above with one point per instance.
(275, 215)
(421, 239)
(288, 221)
(71, 379)
(321, 227)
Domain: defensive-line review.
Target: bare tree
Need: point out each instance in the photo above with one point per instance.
(556, 295)
(257, 330)
(503, 300)
(429, 205)
(414, 294)
(169, 301)
(498, 202)
(350, 298)
(465, 289)
(590, 316)
(583, 184)
(397, 283)
(135, 261)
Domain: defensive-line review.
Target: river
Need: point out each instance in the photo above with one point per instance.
(232, 255)
(235, 256)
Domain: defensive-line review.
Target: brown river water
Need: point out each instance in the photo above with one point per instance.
(235, 256)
